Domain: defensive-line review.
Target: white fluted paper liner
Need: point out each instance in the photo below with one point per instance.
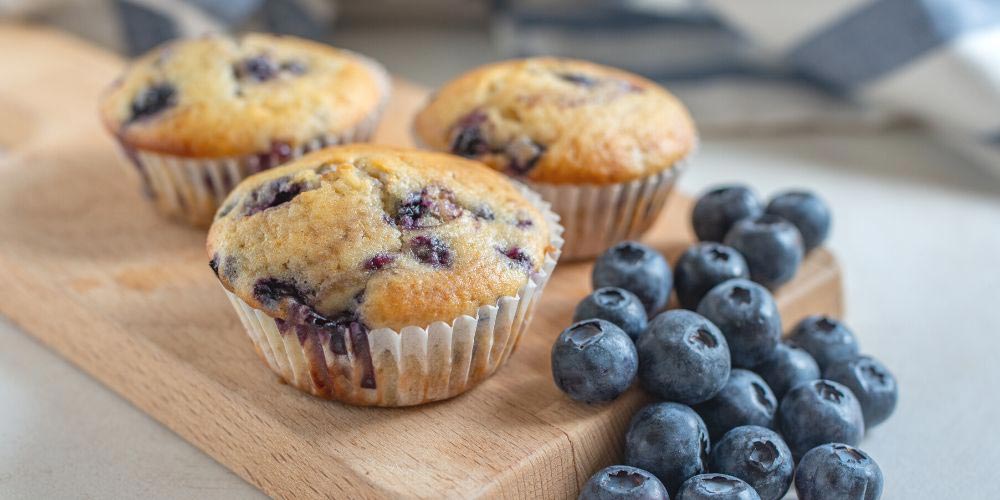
(595, 217)
(191, 189)
(414, 365)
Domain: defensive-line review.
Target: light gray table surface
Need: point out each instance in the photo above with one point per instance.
(917, 231)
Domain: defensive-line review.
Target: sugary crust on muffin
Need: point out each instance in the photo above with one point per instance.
(388, 237)
(220, 107)
(570, 121)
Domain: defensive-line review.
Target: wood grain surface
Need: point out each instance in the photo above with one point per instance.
(91, 270)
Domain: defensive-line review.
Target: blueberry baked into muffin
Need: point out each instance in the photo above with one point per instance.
(383, 276)
(601, 144)
(196, 116)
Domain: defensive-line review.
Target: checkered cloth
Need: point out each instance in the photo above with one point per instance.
(784, 64)
(740, 65)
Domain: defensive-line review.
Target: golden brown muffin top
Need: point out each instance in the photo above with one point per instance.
(388, 237)
(559, 121)
(219, 97)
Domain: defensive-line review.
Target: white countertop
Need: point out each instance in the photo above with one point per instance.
(917, 231)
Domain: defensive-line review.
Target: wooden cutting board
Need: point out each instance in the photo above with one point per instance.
(91, 270)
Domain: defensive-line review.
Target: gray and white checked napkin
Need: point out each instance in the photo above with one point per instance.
(750, 65)
(742, 66)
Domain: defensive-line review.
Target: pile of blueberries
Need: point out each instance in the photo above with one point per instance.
(741, 412)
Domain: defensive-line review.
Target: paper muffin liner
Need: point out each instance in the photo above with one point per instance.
(414, 365)
(191, 189)
(595, 217)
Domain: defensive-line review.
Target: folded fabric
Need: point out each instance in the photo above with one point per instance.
(781, 64)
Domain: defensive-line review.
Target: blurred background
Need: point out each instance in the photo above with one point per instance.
(889, 109)
(746, 67)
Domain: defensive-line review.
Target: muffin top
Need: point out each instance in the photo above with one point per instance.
(559, 121)
(383, 236)
(218, 97)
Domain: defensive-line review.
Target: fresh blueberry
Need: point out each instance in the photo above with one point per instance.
(717, 210)
(716, 487)
(744, 400)
(616, 305)
(835, 471)
(704, 265)
(683, 357)
(871, 382)
(594, 361)
(827, 340)
(748, 317)
(638, 269)
(153, 100)
(772, 247)
(807, 211)
(669, 440)
(621, 482)
(787, 367)
(758, 456)
(817, 412)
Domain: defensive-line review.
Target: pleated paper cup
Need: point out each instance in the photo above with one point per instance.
(595, 217)
(191, 189)
(417, 364)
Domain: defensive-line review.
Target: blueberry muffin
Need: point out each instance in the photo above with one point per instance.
(196, 116)
(382, 276)
(601, 144)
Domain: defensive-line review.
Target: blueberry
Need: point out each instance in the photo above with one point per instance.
(638, 269)
(523, 155)
(578, 79)
(469, 138)
(716, 487)
(807, 211)
(758, 456)
(704, 265)
(518, 258)
(817, 412)
(484, 212)
(621, 482)
(214, 264)
(277, 192)
(787, 367)
(683, 357)
(594, 361)
(271, 291)
(772, 247)
(827, 340)
(379, 261)
(616, 305)
(431, 250)
(260, 68)
(748, 317)
(835, 471)
(153, 100)
(717, 210)
(669, 440)
(871, 382)
(744, 400)
(431, 206)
